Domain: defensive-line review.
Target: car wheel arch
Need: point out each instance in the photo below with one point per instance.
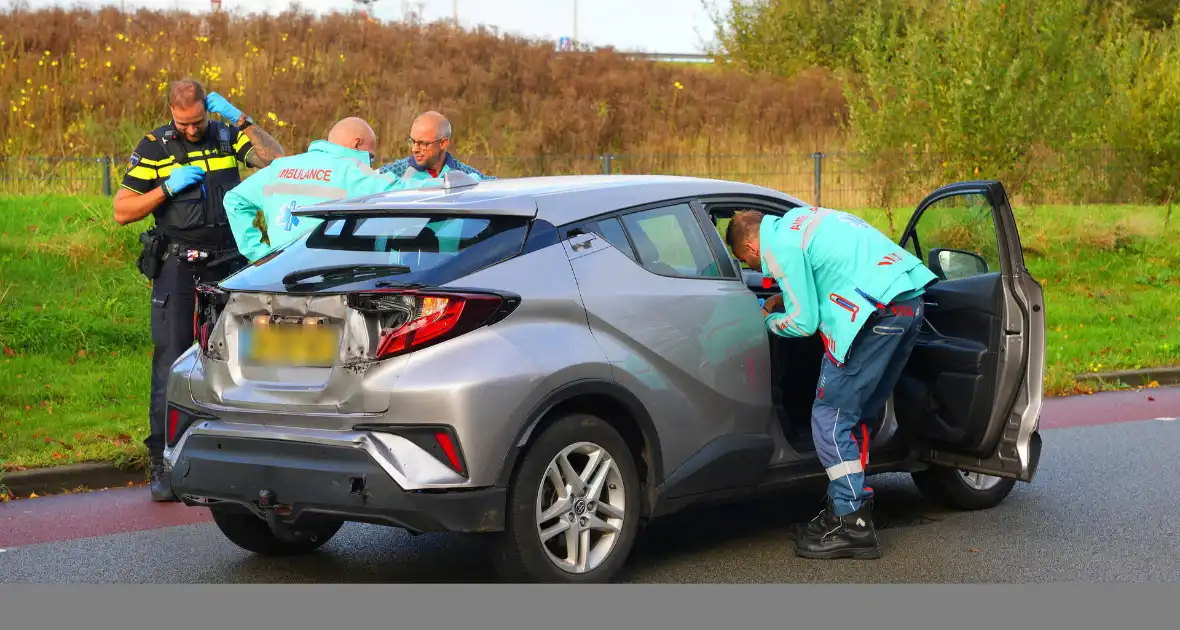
(615, 405)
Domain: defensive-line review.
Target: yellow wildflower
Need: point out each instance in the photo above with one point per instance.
(271, 115)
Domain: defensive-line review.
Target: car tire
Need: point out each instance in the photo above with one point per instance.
(519, 553)
(960, 489)
(253, 534)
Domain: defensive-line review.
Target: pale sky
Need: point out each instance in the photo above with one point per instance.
(663, 26)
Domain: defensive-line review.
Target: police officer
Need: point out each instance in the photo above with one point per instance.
(179, 173)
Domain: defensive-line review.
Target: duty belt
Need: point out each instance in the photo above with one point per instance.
(196, 254)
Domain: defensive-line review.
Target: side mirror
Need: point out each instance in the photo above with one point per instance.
(953, 264)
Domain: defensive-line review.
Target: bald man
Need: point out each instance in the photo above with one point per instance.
(430, 143)
(332, 169)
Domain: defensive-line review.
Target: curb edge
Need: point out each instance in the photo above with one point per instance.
(60, 479)
(1163, 376)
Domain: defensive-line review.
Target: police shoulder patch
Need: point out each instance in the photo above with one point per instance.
(133, 161)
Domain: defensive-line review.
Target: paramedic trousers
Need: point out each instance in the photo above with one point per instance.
(173, 320)
(859, 389)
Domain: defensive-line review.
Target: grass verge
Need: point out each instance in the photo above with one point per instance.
(76, 345)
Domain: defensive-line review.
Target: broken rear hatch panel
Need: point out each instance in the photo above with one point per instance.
(281, 338)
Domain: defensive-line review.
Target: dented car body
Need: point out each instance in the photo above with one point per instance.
(553, 360)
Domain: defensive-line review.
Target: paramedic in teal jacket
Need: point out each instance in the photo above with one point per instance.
(861, 292)
(332, 169)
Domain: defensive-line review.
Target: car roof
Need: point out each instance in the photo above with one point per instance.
(557, 199)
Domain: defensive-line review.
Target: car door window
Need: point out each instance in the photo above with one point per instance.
(612, 231)
(956, 237)
(669, 241)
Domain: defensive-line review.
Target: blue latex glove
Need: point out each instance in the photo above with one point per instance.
(182, 178)
(217, 104)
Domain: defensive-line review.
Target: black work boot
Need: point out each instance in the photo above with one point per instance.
(816, 526)
(829, 536)
(161, 484)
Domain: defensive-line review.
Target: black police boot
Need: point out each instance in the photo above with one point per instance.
(829, 536)
(161, 484)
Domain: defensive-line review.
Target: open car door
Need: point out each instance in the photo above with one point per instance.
(972, 390)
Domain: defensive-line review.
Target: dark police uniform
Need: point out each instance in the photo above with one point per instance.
(192, 241)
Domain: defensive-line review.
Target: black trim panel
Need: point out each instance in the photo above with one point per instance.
(730, 461)
(316, 480)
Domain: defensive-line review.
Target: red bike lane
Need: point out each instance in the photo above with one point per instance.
(118, 510)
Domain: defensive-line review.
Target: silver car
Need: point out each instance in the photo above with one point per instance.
(554, 361)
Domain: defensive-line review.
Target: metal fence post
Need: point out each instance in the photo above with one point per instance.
(106, 175)
(606, 164)
(819, 169)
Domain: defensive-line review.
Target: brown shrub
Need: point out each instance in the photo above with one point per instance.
(505, 95)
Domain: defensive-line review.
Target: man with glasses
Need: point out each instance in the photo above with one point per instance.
(429, 141)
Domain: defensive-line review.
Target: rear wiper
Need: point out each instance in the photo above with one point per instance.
(337, 271)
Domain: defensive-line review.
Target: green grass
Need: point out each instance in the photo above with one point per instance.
(74, 333)
(74, 373)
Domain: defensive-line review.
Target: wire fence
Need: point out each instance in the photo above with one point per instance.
(838, 179)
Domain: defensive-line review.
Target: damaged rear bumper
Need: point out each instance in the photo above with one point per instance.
(288, 481)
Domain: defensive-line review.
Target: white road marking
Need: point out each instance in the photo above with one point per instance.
(1165, 419)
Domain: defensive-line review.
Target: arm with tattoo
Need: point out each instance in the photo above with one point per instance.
(266, 148)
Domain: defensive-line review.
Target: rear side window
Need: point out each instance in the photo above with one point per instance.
(432, 249)
(612, 231)
(670, 242)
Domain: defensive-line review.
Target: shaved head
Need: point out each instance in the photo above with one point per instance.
(354, 133)
(430, 138)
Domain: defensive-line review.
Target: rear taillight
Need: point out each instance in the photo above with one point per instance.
(439, 441)
(409, 320)
(179, 420)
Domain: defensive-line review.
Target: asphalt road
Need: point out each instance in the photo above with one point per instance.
(1102, 508)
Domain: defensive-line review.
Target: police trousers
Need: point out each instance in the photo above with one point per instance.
(174, 315)
(859, 389)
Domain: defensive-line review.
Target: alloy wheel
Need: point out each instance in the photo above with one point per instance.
(979, 481)
(580, 507)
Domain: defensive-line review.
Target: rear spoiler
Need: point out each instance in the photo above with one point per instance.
(447, 199)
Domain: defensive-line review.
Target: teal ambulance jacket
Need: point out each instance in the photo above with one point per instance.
(326, 172)
(834, 270)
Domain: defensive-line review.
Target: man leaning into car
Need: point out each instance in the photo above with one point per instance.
(847, 281)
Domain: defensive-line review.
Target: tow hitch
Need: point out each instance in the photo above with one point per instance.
(273, 512)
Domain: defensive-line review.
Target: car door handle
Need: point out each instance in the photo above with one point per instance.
(930, 303)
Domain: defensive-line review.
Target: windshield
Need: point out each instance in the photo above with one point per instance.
(420, 249)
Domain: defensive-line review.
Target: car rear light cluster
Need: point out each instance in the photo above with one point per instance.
(439, 441)
(211, 300)
(412, 319)
(179, 420)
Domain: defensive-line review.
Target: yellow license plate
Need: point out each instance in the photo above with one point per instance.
(292, 345)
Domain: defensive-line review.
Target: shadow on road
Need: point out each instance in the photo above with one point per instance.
(374, 554)
(766, 519)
